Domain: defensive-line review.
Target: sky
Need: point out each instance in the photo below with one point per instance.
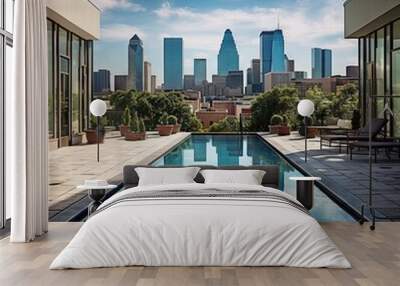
(201, 24)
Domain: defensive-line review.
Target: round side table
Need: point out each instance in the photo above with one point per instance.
(305, 190)
(96, 194)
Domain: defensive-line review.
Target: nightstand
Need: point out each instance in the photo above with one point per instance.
(305, 190)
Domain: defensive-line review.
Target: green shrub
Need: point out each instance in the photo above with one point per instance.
(134, 123)
(228, 124)
(172, 120)
(164, 119)
(126, 117)
(276, 119)
(102, 122)
(142, 127)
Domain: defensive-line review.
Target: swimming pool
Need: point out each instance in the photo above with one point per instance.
(246, 150)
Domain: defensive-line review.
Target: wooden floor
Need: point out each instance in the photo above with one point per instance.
(375, 257)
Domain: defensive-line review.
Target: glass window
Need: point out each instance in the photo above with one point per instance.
(9, 9)
(50, 58)
(380, 71)
(63, 42)
(75, 84)
(396, 91)
(8, 90)
(396, 34)
(361, 62)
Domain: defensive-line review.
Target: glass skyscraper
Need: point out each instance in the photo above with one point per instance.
(272, 52)
(135, 63)
(200, 71)
(173, 63)
(321, 63)
(228, 56)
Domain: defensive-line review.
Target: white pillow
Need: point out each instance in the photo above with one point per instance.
(247, 177)
(166, 176)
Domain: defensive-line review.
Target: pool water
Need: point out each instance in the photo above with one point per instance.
(247, 150)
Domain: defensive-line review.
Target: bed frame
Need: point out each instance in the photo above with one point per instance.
(270, 179)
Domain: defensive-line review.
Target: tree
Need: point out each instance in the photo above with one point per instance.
(280, 100)
(322, 103)
(228, 124)
(345, 101)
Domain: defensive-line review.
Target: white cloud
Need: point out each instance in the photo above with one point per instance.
(120, 32)
(119, 4)
(304, 27)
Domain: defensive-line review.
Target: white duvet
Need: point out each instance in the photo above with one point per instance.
(202, 232)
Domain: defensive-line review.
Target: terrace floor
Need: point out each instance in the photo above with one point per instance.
(348, 179)
(374, 255)
(71, 166)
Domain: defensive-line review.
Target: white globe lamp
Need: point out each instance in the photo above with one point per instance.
(305, 108)
(98, 108)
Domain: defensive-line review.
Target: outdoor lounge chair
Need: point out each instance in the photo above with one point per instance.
(388, 146)
(361, 135)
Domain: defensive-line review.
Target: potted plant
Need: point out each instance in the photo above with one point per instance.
(284, 129)
(275, 123)
(77, 138)
(136, 130)
(165, 129)
(91, 133)
(311, 132)
(172, 120)
(126, 119)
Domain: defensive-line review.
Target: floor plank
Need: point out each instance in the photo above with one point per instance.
(375, 257)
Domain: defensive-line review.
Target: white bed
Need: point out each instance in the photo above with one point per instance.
(202, 231)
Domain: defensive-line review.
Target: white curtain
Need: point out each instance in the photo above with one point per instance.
(26, 119)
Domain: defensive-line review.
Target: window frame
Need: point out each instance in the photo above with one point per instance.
(6, 39)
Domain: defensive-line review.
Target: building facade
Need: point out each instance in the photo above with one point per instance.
(228, 56)
(234, 81)
(199, 71)
(274, 79)
(321, 63)
(352, 71)
(120, 82)
(135, 63)
(70, 68)
(272, 52)
(147, 77)
(376, 25)
(173, 63)
(153, 84)
(188, 81)
(101, 81)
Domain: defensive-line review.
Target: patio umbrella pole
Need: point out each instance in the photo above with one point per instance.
(305, 139)
(98, 139)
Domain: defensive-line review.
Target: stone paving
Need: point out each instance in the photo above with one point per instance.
(70, 166)
(349, 179)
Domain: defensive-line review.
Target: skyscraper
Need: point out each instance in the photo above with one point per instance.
(153, 83)
(272, 52)
(255, 67)
(321, 63)
(188, 81)
(289, 64)
(228, 56)
(101, 80)
(200, 71)
(147, 76)
(173, 63)
(234, 80)
(120, 82)
(135, 63)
